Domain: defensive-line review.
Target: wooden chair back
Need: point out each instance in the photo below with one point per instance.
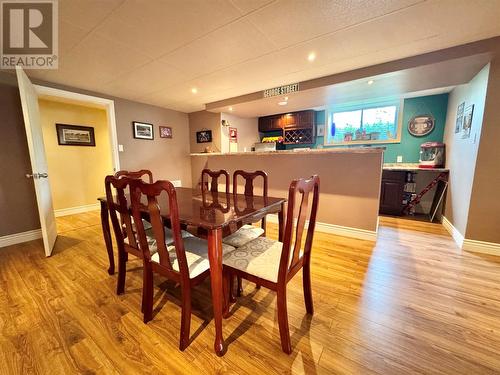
(298, 213)
(152, 193)
(136, 175)
(118, 207)
(249, 178)
(214, 183)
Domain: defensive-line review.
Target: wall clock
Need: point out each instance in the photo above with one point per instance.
(421, 125)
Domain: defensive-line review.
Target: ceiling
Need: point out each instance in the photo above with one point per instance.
(425, 80)
(157, 51)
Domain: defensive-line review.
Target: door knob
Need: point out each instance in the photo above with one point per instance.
(36, 175)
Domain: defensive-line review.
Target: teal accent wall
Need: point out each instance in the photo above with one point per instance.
(409, 147)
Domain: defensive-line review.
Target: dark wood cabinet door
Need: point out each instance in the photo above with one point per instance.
(391, 193)
(305, 119)
(276, 123)
(265, 124)
(290, 120)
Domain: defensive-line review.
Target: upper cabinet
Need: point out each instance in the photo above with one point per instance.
(292, 120)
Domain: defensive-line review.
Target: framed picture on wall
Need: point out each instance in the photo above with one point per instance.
(165, 132)
(233, 135)
(467, 125)
(75, 135)
(460, 117)
(421, 125)
(204, 136)
(143, 130)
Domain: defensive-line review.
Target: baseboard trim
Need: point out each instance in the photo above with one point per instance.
(76, 210)
(16, 238)
(455, 234)
(338, 230)
(483, 247)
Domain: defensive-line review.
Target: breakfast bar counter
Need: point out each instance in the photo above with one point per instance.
(349, 187)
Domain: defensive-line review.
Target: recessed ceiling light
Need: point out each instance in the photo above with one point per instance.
(230, 108)
(194, 90)
(370, 82)
(312, 56)
(284, 102)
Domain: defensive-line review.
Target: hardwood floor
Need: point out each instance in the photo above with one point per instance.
(411, 303)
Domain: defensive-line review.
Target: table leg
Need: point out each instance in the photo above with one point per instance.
(107, 236)
(281, 224)
(215, 258)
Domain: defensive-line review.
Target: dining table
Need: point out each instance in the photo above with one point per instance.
(217, 214)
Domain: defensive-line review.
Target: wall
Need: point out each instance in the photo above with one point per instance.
(18, 209)
(350, 182)
(484, 209)
(76, 172)
(204, 120)
(248, 132)
(409, 147)
(167, 158)
(461, 153)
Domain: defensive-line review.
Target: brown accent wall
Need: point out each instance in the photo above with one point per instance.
(204, 120)
(350, 182)
(18, 210)
(484, 211)
(461, 153)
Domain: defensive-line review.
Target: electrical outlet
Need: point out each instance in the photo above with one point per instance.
(176, 183)
(399, 159)
(120, 148)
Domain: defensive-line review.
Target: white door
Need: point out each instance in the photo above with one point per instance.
(31, 114)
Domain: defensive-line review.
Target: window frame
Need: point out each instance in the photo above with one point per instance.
(399, 103)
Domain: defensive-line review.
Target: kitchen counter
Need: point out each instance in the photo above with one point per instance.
(410, 167)
(300, 151)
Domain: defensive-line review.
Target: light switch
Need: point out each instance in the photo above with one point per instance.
(176, 183)
(399, 159)
(120, 148)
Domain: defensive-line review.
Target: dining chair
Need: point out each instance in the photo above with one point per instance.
(124, 225)
(247, 232)
(214, 183)
(185, 261)
(136, 174)
(273, 264)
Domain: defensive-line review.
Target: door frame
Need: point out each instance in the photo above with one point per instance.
(109, 104)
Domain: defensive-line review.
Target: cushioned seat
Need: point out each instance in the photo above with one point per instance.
(196, 250)
(243, 235)
(169, 237)
(259, 257)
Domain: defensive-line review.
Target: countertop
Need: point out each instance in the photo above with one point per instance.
(351, 150)
(410, 167)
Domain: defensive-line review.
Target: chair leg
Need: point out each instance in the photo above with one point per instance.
(147, 293)
(239, 290)
(122, 272)
(185, 317)
(283, 320)
(232, 298)
(227, 288)
(306, 280)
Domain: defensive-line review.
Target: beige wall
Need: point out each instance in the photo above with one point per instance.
(248, 132)
(204, 120)
(484, 211)
(76, 172)
(166, 158)
(461, 153)
(350, 182)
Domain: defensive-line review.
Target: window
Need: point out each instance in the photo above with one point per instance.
(363, 124)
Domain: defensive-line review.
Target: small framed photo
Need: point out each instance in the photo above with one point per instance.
(233, 135)
(165, 132)
(204, 136)
(320, 130)
(75, 135)
(143, 130)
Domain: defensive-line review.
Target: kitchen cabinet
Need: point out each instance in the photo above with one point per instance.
(305, 119)
(270, 123)
(391, 193)
(297, 127)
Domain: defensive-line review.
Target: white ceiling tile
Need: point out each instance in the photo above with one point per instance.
(69, 36)
(247, 6)
(229, 45)
(86, 14)
(156, 27)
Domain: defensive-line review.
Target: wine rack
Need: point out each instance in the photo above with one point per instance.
(299, 136)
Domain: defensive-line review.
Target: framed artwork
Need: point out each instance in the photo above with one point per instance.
(204, 136)
(75, 135)
(320, 130)
(233, 135)
(421, 125)
(142, 130)
(165, 132)
(460, 117)
(467, 125)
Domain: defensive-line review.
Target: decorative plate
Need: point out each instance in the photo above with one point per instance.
(420, 126)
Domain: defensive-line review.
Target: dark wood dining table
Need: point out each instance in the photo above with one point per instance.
(215, 213)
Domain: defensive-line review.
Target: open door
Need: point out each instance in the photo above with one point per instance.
(29, 102)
